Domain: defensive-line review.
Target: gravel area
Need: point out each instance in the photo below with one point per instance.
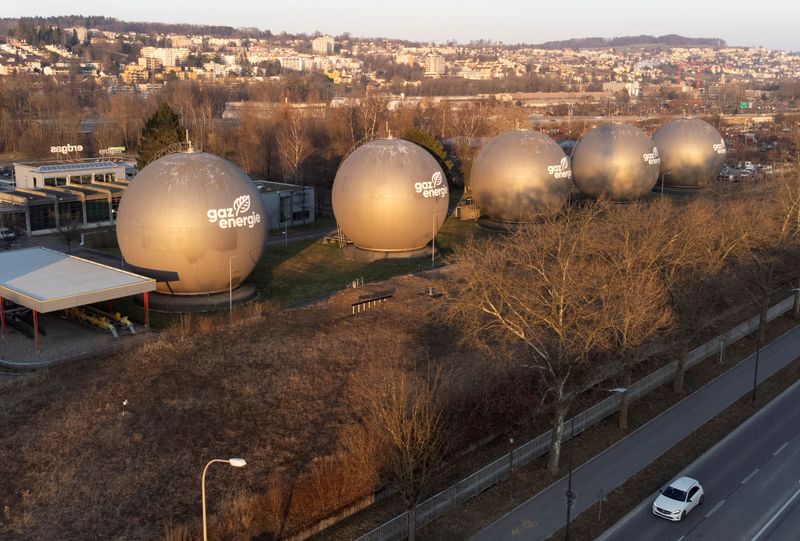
(66, 340)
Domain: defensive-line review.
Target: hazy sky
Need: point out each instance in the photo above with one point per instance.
(774, 24)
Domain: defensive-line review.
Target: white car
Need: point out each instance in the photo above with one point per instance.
(680, 497)
(7, 234)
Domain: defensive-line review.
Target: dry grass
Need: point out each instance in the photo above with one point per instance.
(113, 447)
(110, 448)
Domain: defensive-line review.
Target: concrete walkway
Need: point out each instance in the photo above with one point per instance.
(545, 513)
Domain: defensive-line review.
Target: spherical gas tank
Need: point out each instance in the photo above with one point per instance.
(193, 221)
(617, 161)
(520, 175)
(692, 153)
(390, 195)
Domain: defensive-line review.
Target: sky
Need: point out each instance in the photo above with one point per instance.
(774, 24)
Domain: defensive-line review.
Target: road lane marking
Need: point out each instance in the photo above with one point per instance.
(681, 538)
(715, 508)
(776, 515)
(746, 479)
(780, 449)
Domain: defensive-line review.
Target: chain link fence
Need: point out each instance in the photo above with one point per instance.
(429, 510)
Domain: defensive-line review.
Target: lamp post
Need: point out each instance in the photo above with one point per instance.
(762, 320)
(511, 465)
(236, 463)
(662, 181)
(230, 287)
(569, 494)
(758, 350)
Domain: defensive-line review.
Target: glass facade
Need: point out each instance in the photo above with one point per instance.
(97, 211)
(70, 211)
(80, 179)
(14, 220)
(42, 217)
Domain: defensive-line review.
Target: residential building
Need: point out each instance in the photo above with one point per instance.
(434, 65)
(323, 45)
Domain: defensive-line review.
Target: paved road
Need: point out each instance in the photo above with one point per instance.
(751, 481)
(545, 513)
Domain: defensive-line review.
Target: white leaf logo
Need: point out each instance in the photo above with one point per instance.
(241, 204)
(655, 152)
(564, 164)
(436, 178)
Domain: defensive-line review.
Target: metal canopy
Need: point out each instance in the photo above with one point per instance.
(45, 280)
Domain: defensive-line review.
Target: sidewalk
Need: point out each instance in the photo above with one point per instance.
(545, 513)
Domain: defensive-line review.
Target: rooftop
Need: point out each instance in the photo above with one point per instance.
(76, 166)
(683, 483)
(45, 280)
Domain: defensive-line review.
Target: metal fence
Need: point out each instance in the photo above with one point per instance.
(437, 505)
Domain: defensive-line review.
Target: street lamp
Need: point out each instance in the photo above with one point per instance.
(662, 182)
(511, 465)
(230, 287)
(236, 463)
(569, 494)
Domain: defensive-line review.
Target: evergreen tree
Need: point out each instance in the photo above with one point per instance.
(429, 142)
(160, 131)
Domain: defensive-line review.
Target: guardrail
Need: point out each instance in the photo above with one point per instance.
(438, 504)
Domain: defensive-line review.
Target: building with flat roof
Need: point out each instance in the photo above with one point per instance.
(48, 197)
(33, 175)
(286, 205)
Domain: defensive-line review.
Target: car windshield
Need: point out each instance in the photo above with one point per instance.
(674, 494)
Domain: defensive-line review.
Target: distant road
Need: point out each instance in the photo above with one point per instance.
(535, 120)
(751, 481)
(545, 513)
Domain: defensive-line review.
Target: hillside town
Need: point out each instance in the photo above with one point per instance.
(135, 62)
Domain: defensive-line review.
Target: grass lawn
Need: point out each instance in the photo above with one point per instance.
(308, 269)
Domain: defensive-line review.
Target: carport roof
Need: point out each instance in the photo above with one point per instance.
(45, 280)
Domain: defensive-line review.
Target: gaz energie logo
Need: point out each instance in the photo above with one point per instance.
(561, 170)
(236, 215)
(435, 188)
(719, 148)
(652, 158)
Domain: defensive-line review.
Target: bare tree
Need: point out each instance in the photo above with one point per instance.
(407, 419)
(698, 247)
(370, 117)
(634, 299)
(70, 228)
(768, 259)
(466, 126)
(294, 146)
(536, 296)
